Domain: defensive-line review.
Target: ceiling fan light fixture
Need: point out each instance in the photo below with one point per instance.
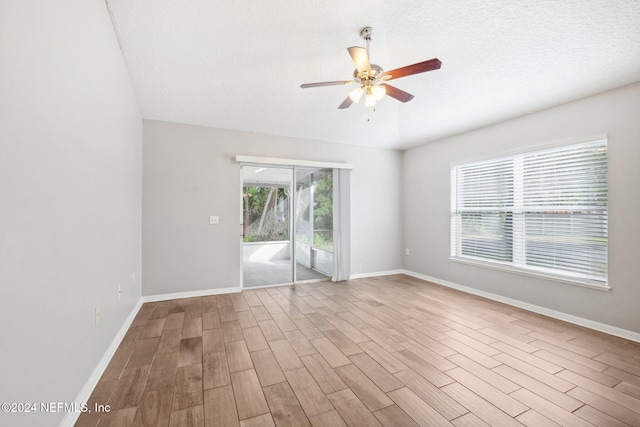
(372, 79)
(378, 92)
(370, 99)
(356, 94)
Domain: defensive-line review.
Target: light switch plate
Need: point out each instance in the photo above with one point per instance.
(214, 219)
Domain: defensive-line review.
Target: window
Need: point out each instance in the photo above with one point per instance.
(542, 212)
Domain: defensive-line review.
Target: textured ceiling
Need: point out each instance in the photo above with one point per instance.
(239, 64)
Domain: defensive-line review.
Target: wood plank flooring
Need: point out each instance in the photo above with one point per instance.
(385, 351)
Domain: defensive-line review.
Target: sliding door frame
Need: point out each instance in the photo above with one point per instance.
(294, 165)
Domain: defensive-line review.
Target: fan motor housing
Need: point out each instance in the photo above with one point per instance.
(376, 71)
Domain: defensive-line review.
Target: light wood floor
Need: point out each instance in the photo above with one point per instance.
(391, 351)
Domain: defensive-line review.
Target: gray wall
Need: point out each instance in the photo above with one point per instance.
(189, 174)
(70, 198)
(427, 205)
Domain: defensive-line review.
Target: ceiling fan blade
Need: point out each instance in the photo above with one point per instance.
(336, 83)
(420, 67)
(360, 58)
(346, 103)
(398, 94)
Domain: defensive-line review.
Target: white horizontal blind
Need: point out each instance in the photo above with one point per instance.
(483, 218)
(544, 211)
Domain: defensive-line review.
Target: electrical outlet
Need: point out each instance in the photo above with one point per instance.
(133, 277)
(407, 251)
(119, 291)
(98, 315)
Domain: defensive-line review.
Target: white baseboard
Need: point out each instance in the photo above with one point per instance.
(602, 327)
(191, 294)
(376, 274)
(82, 397)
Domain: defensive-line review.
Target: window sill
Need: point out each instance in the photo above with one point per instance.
(532, 273)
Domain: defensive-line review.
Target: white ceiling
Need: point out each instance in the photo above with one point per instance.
(239, 64)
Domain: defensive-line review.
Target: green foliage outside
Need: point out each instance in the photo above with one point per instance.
(323, 213)
(266, 213)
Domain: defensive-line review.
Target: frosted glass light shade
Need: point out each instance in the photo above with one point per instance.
(356, 94)
(369, 100)
(378, 92)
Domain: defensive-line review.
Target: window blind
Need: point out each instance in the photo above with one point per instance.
(544, 211)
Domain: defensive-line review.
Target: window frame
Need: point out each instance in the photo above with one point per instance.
(517, 238)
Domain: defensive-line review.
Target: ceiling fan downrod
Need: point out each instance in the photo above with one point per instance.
(366, 34)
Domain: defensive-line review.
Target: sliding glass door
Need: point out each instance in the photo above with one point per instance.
(313, 223)
(266, 225)
(287, 224)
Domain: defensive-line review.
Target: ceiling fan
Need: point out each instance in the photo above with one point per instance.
(371, 78)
